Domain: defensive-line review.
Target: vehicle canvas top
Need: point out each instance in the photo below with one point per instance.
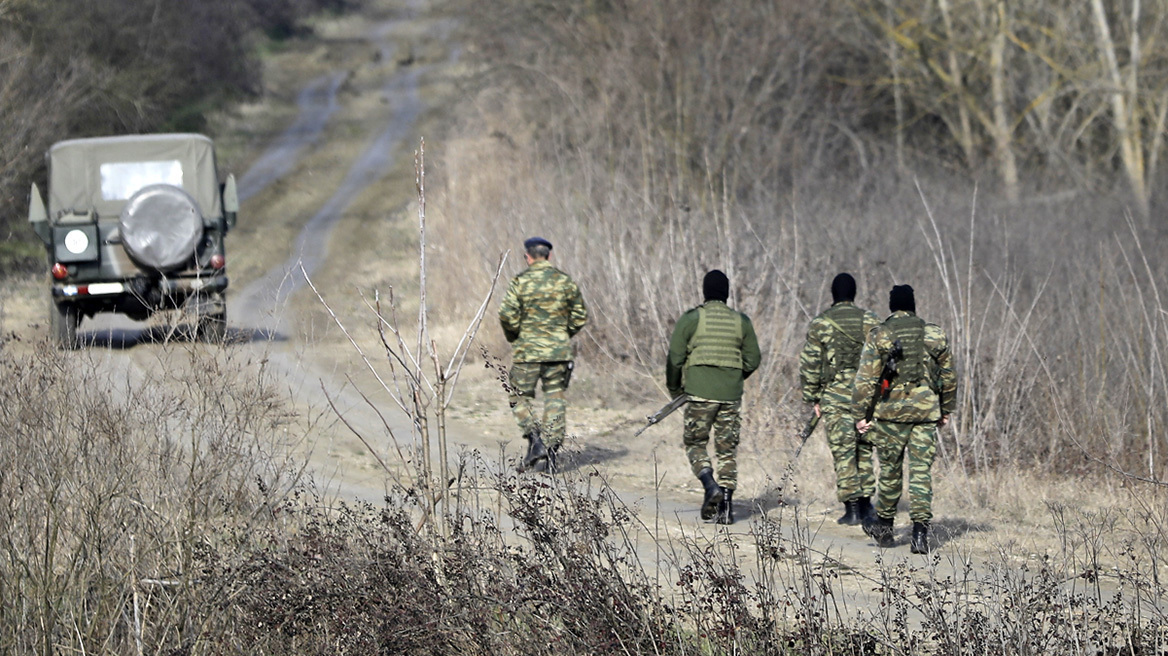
(104, 172)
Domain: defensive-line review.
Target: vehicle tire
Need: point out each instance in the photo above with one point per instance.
(160, 227)
(213, 327)
(64, 319)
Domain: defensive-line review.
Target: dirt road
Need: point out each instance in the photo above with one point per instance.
(326, 193)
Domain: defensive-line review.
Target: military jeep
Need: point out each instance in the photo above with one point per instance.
(135, 224)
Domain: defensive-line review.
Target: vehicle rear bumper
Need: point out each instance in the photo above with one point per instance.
(136, 295)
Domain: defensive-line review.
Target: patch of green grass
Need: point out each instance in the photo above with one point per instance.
(21, 255)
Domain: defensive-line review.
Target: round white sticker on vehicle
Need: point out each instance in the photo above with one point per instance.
(76, 242)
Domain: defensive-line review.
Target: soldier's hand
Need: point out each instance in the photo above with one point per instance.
(817, 413)
(862, 426)
(944, 421)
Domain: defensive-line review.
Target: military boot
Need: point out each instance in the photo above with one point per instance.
(851, 515)
(726, 508)
(920, 538)
(537, 453)
(880, 530)
(713, 493)
(865, 510)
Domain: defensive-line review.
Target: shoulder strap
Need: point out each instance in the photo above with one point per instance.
(842, 331)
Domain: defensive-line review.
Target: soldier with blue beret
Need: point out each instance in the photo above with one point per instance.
(541, 312)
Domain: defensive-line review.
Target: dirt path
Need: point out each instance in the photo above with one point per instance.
(328, 195)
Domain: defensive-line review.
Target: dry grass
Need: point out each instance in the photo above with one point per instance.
(1052, 306)
(113, 483)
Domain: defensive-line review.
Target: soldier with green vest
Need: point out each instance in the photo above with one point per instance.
(540, 313)
(827, 366)
(919, 398)
(712, 351)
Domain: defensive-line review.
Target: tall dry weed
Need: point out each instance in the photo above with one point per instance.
(111, 485)
(650, 145)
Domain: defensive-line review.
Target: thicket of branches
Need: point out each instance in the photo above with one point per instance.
(786, 141)
(166, 512)
(75, 68)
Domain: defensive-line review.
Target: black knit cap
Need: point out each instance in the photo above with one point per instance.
(901, 298)
(843, 288)
(716, 286)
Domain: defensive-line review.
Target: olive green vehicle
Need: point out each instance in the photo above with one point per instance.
(135, 224)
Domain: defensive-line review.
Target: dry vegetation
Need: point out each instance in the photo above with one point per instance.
(652, 141)
(164, 513)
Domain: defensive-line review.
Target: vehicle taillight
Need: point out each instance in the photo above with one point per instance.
(60, 272)
(218, 261)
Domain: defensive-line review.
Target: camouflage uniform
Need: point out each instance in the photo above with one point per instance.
(712, 351)
(923, 391)
(540, 313)
(827, 365)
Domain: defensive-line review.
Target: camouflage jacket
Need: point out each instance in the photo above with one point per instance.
(908, 402)
(831, 389)
(542, 310)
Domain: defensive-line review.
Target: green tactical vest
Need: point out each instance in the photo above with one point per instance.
(913, 367)
(847, 340)
(717, 342)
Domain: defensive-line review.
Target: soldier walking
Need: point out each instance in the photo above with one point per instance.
(920, 397)
(827, 367)
(540, 313)
(712, 351)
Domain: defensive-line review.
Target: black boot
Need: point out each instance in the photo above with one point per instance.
(851, 514)
(726, 508)
(551, 459)
(537, 453)
(713, 493)
(880, 530)
(920, 538)
(865, 510)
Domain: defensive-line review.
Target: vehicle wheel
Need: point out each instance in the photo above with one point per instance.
(213, 326)
(160, 226)
(65, 319)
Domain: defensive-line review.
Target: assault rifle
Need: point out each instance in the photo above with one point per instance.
(808, 429)
(895, 355)
(665, 411)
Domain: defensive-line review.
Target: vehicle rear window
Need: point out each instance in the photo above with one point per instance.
(120, 180)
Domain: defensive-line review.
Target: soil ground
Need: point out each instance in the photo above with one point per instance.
(401, 69)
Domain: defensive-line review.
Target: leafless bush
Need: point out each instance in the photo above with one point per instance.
(539, 565)
(631, 138)
(111, 486)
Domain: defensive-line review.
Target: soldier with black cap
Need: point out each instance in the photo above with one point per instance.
(827, 366)
(712, 351)
(540, 313)
(919, 399)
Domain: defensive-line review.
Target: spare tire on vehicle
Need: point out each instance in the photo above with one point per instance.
(161, 226)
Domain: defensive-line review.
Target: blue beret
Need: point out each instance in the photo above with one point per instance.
(537, 241)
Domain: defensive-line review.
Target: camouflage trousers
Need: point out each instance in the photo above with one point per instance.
(523, 378)
(893, 440)
(852, 454)
(723, 419)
